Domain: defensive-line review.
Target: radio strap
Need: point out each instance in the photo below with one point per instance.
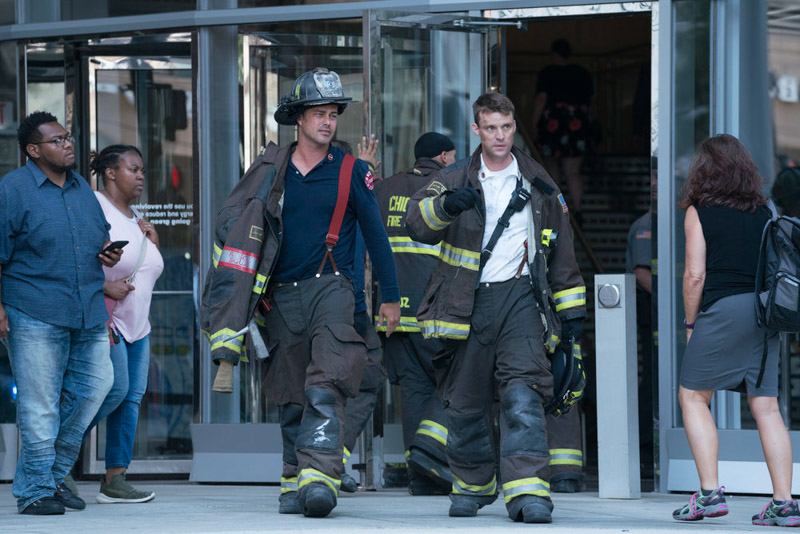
(519, 198)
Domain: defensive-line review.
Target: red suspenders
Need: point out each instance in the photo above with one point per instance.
(345, 174)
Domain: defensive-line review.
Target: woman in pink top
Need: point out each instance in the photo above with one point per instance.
(130, 283)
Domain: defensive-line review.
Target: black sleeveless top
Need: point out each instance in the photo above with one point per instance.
(733, 239)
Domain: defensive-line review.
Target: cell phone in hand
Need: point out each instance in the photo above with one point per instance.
(112, 246)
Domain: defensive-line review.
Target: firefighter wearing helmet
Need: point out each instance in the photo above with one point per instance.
(283, 264)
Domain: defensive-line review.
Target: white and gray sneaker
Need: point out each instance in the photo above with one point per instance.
(119, 491)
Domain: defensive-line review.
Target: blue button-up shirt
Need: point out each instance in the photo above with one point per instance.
(49, 241)
(308, 205)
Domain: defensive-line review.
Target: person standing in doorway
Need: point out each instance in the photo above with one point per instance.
(562, 123)
(130, 285)
(53, 245)
(500, 298)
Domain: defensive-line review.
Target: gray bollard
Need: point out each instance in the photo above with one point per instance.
(617, 387)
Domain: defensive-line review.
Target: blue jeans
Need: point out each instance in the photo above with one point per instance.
(62, 376)
(131, 363)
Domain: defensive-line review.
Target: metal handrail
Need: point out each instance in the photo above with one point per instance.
(598, 267)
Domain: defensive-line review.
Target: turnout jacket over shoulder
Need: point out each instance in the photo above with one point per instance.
(250, 233)
(246, 246)
(447, 304)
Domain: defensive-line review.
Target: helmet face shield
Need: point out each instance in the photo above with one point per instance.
(313, 88)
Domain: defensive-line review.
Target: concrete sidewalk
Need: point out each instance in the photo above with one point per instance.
(187, 507)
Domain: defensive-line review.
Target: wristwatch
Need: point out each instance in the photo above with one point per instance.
(688, 326)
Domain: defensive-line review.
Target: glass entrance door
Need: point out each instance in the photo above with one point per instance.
(146, 102)
(424, 72)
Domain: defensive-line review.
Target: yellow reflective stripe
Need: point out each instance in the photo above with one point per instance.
(288, 484)
(408, 453)
(428, 212)
(462, 488)
(221, 338)
(436, 328)
(546, 233)
(308, 475)
(460, 257)
(346, 455)
(260, 284)
(576, 351)
(526, 486)
(566, 457)
(570, 298)
(407, 324)
(404, 244)
(433, 430)
(552, 343)
(217, 253)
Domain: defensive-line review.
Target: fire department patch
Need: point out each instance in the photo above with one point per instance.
(563, 203)
(257, 233)
(437, 187)
(369, 180)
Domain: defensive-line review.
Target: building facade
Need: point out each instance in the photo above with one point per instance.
(194, 84)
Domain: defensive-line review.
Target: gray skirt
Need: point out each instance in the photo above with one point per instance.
(726, 349)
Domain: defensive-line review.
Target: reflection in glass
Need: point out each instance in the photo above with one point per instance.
(692, 123)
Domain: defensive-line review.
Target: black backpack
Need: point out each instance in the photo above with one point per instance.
(778, 278)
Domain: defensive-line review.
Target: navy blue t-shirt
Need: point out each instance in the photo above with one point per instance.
(308, 206)
(49, 241)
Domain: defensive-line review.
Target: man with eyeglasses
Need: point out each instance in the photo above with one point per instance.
(52, 316)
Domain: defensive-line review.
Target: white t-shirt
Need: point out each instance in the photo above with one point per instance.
(131, 314)
(510, 248)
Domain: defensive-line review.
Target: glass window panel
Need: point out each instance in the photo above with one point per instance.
(151, 109)
(691, 125)
(80, 9)
(9, 160)
(46, 84)
(8, 11)
(266, 3)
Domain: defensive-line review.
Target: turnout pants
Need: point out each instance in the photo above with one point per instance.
(504, 344)
(317, 361)
(359, 409)
(409, 360)
(566, 445)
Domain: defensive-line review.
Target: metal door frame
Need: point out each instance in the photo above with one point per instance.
(90, 65)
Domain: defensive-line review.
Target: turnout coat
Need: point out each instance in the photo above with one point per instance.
(447, 304)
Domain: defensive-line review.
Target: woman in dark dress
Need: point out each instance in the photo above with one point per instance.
(562, 120)
(725, 214)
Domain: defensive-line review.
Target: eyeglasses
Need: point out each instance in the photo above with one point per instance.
(58, 141)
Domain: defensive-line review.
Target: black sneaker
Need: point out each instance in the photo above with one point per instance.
(786, 514)
(67, 498)
(699, 507)
(44, 506)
